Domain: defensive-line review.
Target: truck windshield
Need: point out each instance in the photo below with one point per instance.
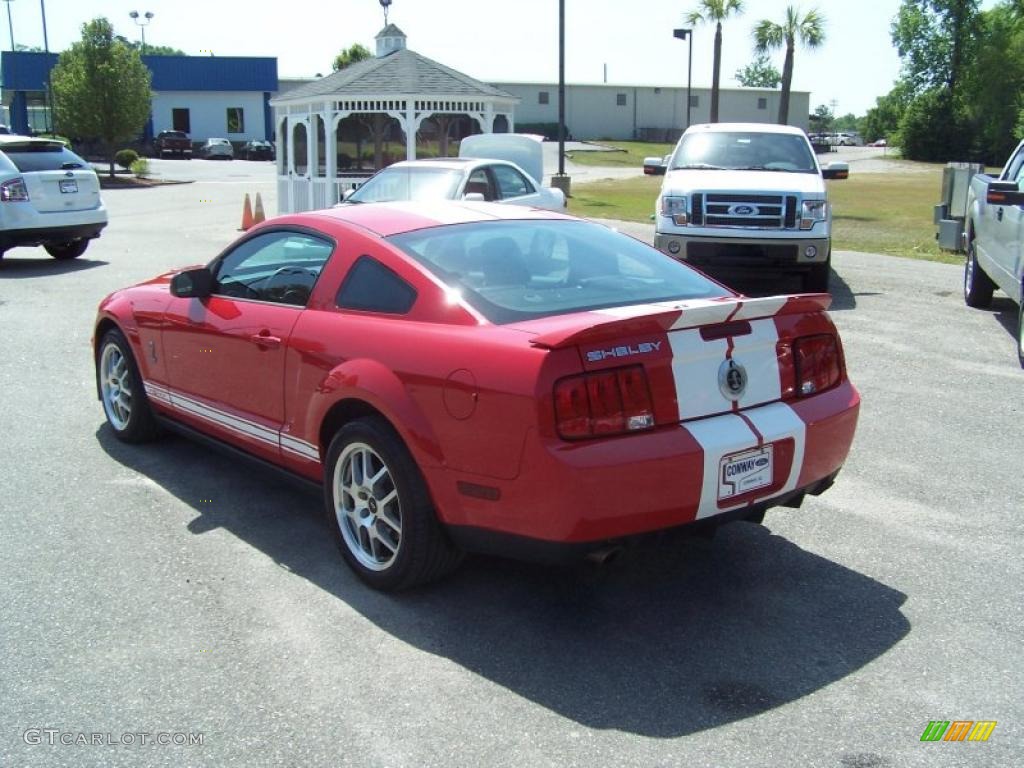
(734, 151)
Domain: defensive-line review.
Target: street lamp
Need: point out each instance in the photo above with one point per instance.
(687, 35)
(148, 16)
(10, 24)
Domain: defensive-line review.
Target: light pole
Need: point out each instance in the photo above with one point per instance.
(46, 40)
(148, 16)
(687, 35)
(10, 24)
(560, 180)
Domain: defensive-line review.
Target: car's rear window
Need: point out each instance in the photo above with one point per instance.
(43, 157)
(408, 183)
(511, 271)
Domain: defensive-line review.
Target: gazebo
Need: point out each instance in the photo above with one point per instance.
(399, 89)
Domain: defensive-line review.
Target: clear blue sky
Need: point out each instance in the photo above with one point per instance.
(500, 39)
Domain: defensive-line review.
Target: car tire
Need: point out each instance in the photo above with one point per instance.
(386, 529)
(69, 250)
(978, 286)
(817, 277)
(121, 391)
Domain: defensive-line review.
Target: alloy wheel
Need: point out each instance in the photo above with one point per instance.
(367, 506)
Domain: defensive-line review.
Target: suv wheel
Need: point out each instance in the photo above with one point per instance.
(69, 250)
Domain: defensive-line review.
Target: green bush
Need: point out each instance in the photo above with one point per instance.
(140, 167)
(934, 129)
(126, 158)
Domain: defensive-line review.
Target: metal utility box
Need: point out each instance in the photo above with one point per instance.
(951, 212)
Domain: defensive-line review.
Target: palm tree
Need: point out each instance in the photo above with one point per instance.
(716, 11)
(768, 36)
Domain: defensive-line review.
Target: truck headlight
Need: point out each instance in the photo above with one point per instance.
(675, 207)
(813, 211)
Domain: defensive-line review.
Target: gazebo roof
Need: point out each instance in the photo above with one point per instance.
(401, 72)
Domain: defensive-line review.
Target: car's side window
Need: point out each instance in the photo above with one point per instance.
(511, 183)
(1014, 169)
(480, 183)
(372, 287)
(280, 267)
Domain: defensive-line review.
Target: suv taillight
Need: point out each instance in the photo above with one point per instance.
(13, 191)
(815, 364)
(603, 403)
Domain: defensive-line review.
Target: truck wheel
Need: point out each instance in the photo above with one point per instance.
(978, 286)
(816, 279)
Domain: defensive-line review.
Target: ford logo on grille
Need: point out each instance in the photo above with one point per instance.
(742, 210)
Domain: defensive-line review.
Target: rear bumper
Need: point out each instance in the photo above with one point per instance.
(605, 490)
(44, 235)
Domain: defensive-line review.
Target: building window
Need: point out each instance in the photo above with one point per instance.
(762, 103)
(694, 100)
(236, 120)
(620, 100)
(542, 97)
(180, 120)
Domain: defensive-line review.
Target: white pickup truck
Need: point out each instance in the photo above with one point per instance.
(748, 196)
(992, 232)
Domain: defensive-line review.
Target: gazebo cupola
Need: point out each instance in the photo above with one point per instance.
(389, 40)
(323, 127)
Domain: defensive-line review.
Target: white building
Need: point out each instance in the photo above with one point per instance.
(647, 112)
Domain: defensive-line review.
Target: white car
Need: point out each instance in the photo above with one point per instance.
(489, 169)
(217, 148)
(49, 196)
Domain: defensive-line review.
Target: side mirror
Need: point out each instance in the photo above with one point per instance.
(474, 197)
(1004, 193)
(836, 171)
(346, 194)
(655, 166)
(192, 283)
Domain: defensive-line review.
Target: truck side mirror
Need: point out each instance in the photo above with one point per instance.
(1004, 193)
(836, 170)
(655, 166)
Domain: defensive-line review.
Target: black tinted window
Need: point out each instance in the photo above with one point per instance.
(372, 287)
(43, 157)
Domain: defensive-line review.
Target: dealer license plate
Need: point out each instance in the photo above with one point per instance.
(68, 185)
(743, 472)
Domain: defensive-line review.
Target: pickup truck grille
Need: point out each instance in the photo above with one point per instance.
(750, 211)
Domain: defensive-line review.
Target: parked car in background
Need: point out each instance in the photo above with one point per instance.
(474, 377)
(490, 168)
(215, 149)
(173, 143)
(456, 178)
(750, 197)
(256, 150)
(49, 196)
(879, 143)
(846, 140)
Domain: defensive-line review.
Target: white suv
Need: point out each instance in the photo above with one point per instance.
(49, 196)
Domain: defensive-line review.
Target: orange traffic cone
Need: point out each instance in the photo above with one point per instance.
(258, 215)
(247, 221)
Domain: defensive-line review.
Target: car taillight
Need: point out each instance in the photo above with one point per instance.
(817, 364)
(13, 191)
(603, 403)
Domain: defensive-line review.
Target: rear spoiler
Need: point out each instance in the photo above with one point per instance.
(661, 317)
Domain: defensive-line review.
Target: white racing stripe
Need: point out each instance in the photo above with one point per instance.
(229, 421)
(723, 435)
(695, 365)
(757, 352)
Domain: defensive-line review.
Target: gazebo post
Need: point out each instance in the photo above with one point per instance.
(410, 129)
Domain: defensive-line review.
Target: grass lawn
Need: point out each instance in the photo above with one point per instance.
(632, 154)
(889, 212)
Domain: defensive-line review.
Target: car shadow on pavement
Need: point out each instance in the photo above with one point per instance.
(670, 640)
(762, 285)
(16, 268)
(1005, 312)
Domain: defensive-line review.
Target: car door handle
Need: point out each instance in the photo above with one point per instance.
(264, 339)
(999, 214)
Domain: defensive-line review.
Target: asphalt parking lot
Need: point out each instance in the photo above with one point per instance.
(168, 589)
